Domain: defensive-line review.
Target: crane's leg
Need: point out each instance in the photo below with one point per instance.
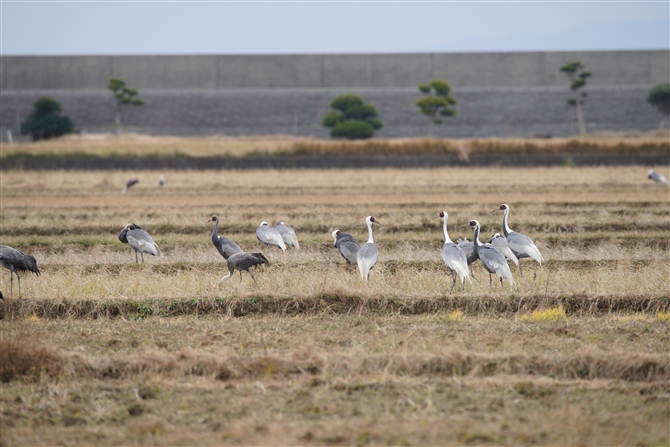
(501, 284)
(240, 276)
(18, 278)
(142, 254)
(136, 261)
(453, 278)
(490, 280)
(520, 270)
(252, 277)
(11, 284)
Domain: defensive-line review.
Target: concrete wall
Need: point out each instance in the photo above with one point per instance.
(330, 70)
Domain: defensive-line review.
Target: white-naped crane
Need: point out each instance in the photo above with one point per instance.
(288, 235)
(657, 177)
(453, 256)
(367, 255)
(140, 241)
(270, 236)
(161, 180)
(522, 246)
(129, 184)
(347, 246)
(224, 245)
(500, 242)
(16, 261)
(243, 262)
(492, 260)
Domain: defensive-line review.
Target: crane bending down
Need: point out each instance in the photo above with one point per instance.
(139, 240)
(368, 253)
(224, 245)
(243, 261)
(657, 177)
(129, 184)
(16, 261)
(288, 235)
(270, 236)
(454, 256)
(521, 245)
(492, 260)
(347, 246)
(501, 244)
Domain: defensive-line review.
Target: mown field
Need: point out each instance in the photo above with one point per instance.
(103, 351)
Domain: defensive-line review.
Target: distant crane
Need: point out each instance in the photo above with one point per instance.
(453, 256)
(224, 245)
(242, 262)
(347, 246)
(492, 260)
(288, 235)
(139, 240)
(501, 244)
(129, 184)
(368, 253)
(657, 177)
(270, 236)
(161, 180)
(16, 261)
(522, 246)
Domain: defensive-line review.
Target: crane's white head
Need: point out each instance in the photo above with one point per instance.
(263, 223)
(282, 223)
(335, 233)
(370, 220)
(474, 224)
(496, 235)
(444, 215)
(503, 207)
(650, 173)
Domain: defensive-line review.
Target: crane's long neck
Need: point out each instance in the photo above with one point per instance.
(444, 230)
(476, 241)
(506, 229)
(215, 230)
(371, 238)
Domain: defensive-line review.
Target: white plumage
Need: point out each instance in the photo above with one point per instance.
(368, 253)
(270, 236)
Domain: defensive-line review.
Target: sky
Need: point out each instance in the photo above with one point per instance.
(123, 27)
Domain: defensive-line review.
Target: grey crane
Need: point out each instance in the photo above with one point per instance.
(16, 261)
(139, 240)
(347, 246)
(470, 253)
(367, 255)
(270, 236)
(657, 177)
(453, 255)
(521, 245)
(492, 260)
(243, 262)
(288, 235)
(501, 244)
(129, 184)
(224, 245)
(161, 180)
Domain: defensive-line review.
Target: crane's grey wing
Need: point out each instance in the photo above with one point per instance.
(454, 257)
(226, 247)
(494, 262)
(658, 177)
(270, 235)
(349, 250)
(288, 235)
(244, 261)
(500, 244)
(142, 242)
(523, 247)
(469, 250)
(16, 260)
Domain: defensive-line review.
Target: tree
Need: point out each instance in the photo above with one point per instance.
(437, 102)
(46, 120)
(659, 97)
(352, 118)
(575, 71)
(123, 96)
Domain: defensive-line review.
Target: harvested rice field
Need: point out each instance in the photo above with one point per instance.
(101, 350)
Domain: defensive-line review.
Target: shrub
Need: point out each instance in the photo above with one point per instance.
(352, 130)
(352, 118)
(659, 97)
(46, 121)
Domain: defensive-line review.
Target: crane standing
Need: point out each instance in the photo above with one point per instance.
(368, 253)
(139, 240)
(522, 246)
(224, 245)
(492, 260)
(16, 261)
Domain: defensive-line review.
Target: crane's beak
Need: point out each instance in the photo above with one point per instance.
(495, 210)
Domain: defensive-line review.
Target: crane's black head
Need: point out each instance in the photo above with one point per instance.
(213, 219)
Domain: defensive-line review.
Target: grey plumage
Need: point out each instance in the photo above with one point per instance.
(347, 246)
(161, 180)
(288, 235)
(367, 255)
(129, 184)
(657, 177)
(453, 256)
(500, 243)
(224, 245)
(469, 250)
(16, 261)
(492, 260)
(521, 245)
(243, 262)
(270, 236)
(139, 240)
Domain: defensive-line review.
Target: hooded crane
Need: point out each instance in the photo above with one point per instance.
(522, 246)
(492, 260)
(469, 250)
(501, 244)
(242, 262)
(453, 256)
(270, 236)
(368, 253)
(288, 235)
(129, 184)
(347, 246)
(139, 240)
(657, 177)
(16, 261)
(224, 245)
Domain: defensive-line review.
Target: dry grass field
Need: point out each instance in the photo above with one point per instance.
(103, 351)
